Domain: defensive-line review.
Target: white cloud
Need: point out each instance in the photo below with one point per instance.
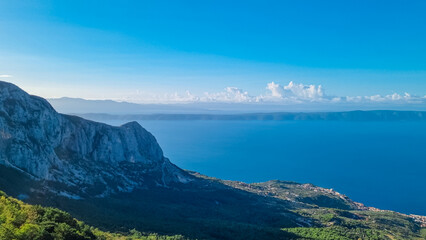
(296, 92)
(276, 90)
(186, 97)
(5, 76)
(292, 93)
(147, 97)
(304, 91)
(353, 99)
(391, 98)
(231, 94)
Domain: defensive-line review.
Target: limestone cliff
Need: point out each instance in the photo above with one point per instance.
(86, 157)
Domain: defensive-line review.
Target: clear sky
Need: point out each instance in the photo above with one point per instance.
(138, 50)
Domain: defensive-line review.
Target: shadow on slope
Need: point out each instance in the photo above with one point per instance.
(203, 209)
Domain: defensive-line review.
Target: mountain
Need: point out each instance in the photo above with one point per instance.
(79, 105)
(117, 179)
(219, 110)
(85, 157)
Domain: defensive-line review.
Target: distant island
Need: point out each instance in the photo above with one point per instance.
(373, 115)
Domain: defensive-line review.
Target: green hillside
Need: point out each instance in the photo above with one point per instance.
(22, 221)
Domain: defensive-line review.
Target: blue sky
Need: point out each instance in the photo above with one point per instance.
(132, 49)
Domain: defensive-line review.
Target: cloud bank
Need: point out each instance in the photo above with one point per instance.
(292, 93)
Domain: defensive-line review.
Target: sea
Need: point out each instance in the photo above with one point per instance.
(381, 164)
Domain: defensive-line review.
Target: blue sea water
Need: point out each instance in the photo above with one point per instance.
(381, 164)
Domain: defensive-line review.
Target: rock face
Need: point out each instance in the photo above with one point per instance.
(85, 157)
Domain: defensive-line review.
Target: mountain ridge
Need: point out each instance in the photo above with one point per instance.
(82, 106)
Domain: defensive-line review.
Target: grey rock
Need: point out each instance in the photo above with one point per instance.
(86, 158)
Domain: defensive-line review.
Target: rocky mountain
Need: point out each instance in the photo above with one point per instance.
(85, 157)
(117, 179)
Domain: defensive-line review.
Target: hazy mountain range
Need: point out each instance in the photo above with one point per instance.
(79, 106)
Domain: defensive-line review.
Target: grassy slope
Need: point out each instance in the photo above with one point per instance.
(19, 220)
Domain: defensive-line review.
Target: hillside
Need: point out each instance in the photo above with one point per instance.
(23, 221)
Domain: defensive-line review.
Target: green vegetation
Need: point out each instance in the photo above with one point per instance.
(207, 209)
(423, 233)
(22, 221)
(192, 214)
(341, 224)
(337, 233)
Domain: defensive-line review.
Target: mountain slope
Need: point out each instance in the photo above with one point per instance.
(80, 154)
(23, 221)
